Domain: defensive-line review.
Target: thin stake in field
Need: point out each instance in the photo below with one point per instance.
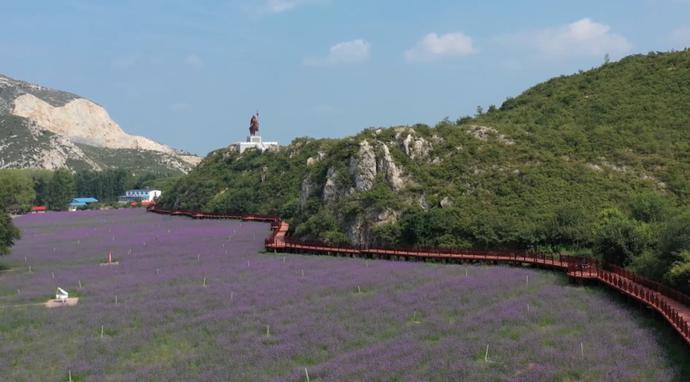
(486, 354)
(204, 282)
(101, 331)
(582, 350)
(268, 330)
(306, 374)
(414, 318)
(109, 260)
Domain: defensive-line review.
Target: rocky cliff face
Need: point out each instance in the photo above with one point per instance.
(370, 163)
(45, 128)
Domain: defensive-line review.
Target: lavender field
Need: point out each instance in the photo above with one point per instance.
(196, 300)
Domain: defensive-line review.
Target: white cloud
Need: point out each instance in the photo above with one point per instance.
(433, 47)
(348, 52)
(680, 37)
(580, 38)
(194, 61)
(280, 6)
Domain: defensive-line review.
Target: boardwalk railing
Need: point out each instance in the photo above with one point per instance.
(673, 305)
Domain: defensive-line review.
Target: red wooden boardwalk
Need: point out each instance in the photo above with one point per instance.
(671, 304)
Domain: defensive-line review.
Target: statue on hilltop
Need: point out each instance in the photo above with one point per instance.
(254, 124)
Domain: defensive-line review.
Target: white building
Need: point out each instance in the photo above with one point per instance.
(140, 195)
(255, 141)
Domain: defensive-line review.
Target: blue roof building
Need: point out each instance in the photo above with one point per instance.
(81, 202)
(85, 200)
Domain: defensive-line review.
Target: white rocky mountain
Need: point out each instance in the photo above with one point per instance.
(50, 129)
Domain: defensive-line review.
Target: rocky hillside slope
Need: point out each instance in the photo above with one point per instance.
(50, 129)
(537, 171)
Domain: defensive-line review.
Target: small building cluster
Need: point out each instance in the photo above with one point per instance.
(78, 203)
(143, 196)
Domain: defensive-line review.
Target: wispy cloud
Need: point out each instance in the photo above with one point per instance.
(433, 47)
(347, 52)
(583, 37)
(680, 37)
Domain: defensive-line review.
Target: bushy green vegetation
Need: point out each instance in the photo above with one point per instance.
(8, 232)
(17, 191)
(595, 163)
(61, 190)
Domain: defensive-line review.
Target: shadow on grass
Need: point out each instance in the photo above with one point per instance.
(677, 350)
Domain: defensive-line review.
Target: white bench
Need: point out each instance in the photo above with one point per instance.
(61, 295)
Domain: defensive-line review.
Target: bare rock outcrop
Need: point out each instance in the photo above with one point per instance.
(388, 167)
(484, 132)
(82, 121)
(363, 167)
(357, 231)
(330, 188)
(446, 202)
(306, 191)
(416, 147)
(422, 202)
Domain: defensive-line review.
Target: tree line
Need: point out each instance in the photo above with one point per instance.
(55, 189)
(21, 189)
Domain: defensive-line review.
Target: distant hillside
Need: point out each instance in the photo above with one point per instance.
(589, 140)
(50, 129)
(595, 162)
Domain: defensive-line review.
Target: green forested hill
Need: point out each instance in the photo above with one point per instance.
(595, 162)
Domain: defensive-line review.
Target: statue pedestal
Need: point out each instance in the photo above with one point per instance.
(255, 141)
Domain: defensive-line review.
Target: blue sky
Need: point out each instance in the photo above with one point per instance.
(191, 73)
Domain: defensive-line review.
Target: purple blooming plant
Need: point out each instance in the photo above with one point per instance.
(198, 300)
